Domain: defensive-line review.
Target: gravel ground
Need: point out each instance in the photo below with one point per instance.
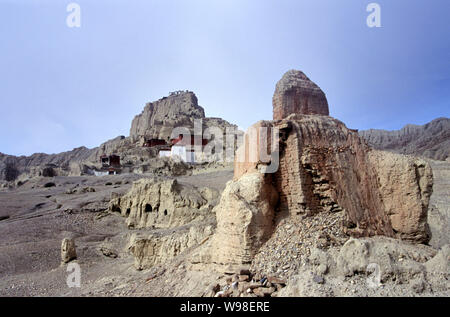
(36, 218)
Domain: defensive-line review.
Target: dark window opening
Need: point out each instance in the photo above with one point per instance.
(148, 208)
(48, 172)
(165, 212)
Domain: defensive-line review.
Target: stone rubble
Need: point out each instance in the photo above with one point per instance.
(249, 285)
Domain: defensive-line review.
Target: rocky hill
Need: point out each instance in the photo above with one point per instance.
(13, 166)
(181, 109)
(158, 120)
(431, 140)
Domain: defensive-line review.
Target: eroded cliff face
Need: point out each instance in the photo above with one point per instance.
(150, 249)
(323, 167)
(159, 118)
(245, 217)
(326, 167)
(163, 203)
(11, 167)
(171, 218)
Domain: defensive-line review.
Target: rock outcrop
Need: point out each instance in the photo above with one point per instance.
(255, 151)
(245, 217)
(172, 217)
(296, 93)
(163, 203)
(36, 164)
(68, 251)
(431, 140)
(159, 118)
(405, 186)
(158, 247)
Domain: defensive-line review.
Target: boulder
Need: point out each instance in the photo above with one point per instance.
(150, 249)
(394, 259)
(374, 266)
(68, 251)
(405, 185)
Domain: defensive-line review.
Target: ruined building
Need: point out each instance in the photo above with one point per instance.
(295, 93)
(321, 166)
(110, 165)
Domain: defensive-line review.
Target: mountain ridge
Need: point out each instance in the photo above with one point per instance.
(430, 140)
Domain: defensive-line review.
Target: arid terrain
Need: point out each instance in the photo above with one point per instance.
(336, 217)
(33, 227)
(31, 238)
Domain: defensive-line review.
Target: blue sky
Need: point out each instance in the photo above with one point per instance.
(64, 87)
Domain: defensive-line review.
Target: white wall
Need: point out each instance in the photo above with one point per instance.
(179, 151)
(165, 153)
(100, 173)
(190, 157)
(185, 156)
